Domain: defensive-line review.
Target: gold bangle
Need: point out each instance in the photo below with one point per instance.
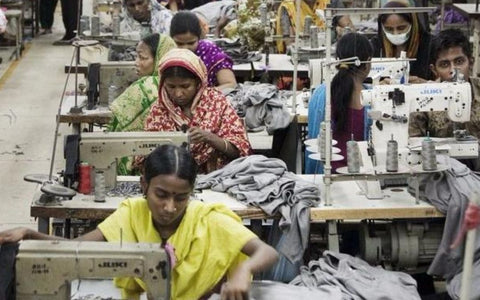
(226, 145)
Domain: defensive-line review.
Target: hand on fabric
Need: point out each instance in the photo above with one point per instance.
(198, 135)
(13, 235)
(238, 286)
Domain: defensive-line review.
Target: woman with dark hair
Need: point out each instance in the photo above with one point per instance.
(211, 247)
(348, 114)
(403, 32)
(186, 31)
(216, 133)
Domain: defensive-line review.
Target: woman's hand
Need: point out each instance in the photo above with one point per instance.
(13, 235)
(238, 286)
(198, 135)
(416, 79)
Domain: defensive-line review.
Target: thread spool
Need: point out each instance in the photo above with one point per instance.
(314, 43)
(116, 25)
(322, 141)
(392, 156)
(84, 186)
(353, 156)
(429, 155)
(307, 25)
(263, 14)
(100, 193)
(95, 26)
(84, 24)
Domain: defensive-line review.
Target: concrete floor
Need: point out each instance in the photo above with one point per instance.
(30, 92)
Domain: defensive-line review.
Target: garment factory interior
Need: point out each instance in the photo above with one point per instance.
(361, 184)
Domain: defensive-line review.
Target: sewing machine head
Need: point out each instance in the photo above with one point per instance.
(44, 269)
(391, 105)
(102, 149)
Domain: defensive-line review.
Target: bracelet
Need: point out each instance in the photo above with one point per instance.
(226, 145)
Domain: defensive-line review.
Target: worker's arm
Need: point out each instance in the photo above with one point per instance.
(226, 79)
(262, 256)
(22, 233)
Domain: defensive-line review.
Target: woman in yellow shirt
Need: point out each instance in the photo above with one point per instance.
(212, 248)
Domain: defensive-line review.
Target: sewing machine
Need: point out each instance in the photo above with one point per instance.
(391, 105)
(394, 68)
(102, 149)
(44, 269)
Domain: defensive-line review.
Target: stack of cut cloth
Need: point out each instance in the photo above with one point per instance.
(265, 183)
(238, 53)
(356, 279)
(449, 192)
(262, 105)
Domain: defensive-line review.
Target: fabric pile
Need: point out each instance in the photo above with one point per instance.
(268, 290)
(449, 192)
(356, 279)
(238, 53)
(265, 183)
(262, 105)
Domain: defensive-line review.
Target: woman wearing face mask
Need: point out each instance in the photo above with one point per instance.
(403, 32)
(348, 114)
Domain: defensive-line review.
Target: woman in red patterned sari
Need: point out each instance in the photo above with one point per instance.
(217, 134)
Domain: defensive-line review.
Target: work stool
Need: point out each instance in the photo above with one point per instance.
(15, 14)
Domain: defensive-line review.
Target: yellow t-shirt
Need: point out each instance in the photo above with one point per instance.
(207, 244)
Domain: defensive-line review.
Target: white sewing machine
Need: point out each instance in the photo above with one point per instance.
(394, 68)
(102, 149)
(391, 105)
(44, 269)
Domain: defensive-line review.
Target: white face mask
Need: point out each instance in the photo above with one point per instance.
(398, 39)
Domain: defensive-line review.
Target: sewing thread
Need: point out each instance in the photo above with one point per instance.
(100, 192)
(314, 43)
(95, 26)
(116, 26)
(263, 14)
(429, 155)
(392, 156)
(84, 186)
(306, 25)
(353, 157)
(322, 141)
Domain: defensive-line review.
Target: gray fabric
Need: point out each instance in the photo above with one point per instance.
(356, 278)
(449, 192)
(265, 182)
(262, 104)
(270, 290)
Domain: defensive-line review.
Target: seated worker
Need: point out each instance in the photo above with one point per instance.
(143, 17)
(131, 108)
(286, 19)
(348, 114)
(216, 15)
(451, 55)
(186, 32)
(209, 241)
(217, 135)
(403, 32)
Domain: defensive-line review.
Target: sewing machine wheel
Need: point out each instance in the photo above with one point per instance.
(38, 178)
(55, 189)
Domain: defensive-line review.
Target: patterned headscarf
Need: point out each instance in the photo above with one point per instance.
(165, 44)
(186, 59)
